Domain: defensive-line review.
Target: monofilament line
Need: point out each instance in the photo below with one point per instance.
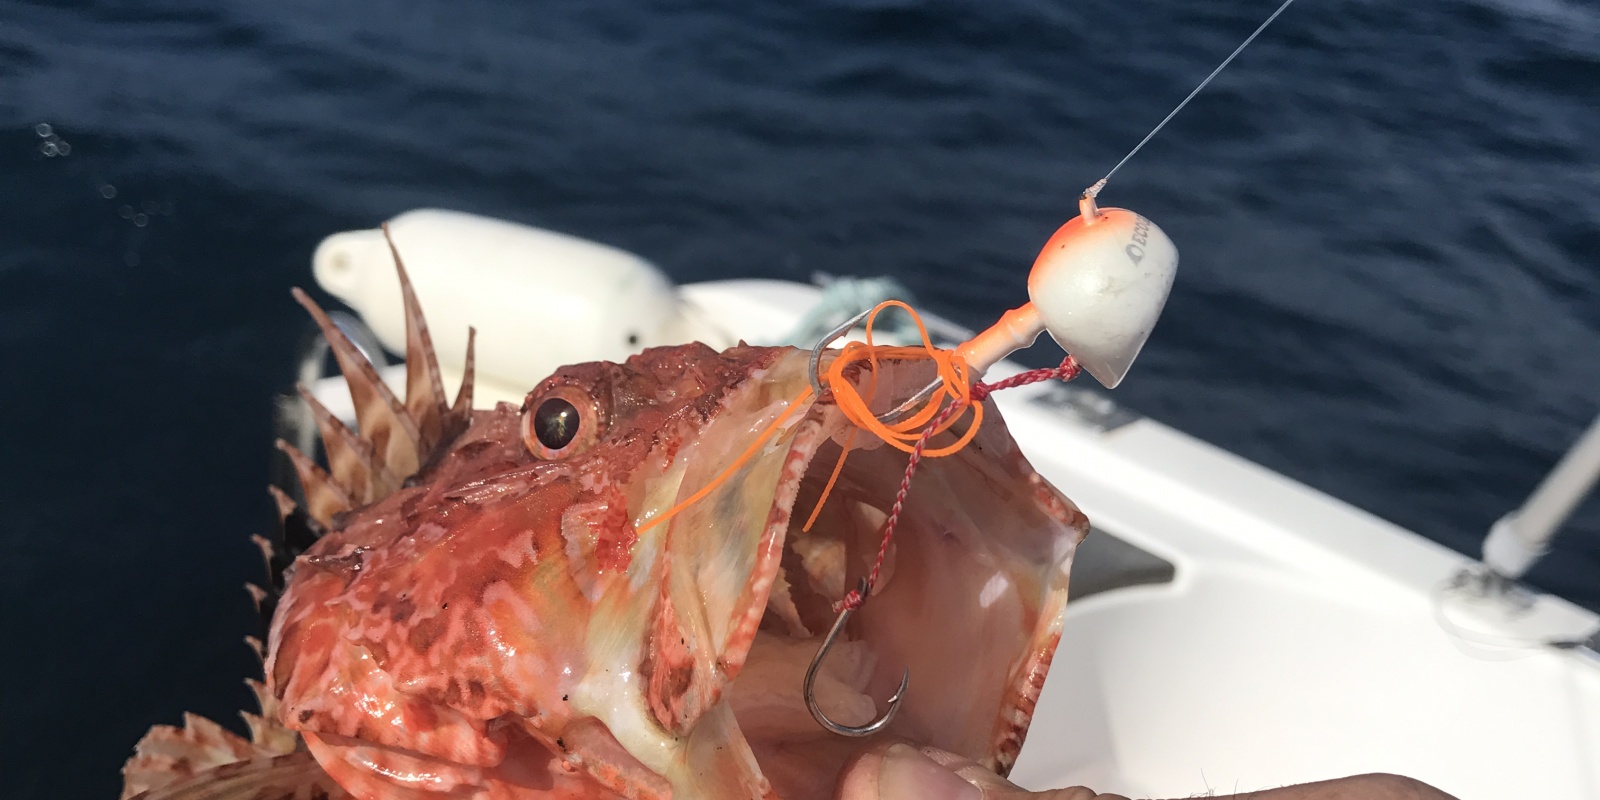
(1094, 190)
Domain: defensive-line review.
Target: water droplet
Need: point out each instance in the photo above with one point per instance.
(130, 258)
(49, 149)
(166, 207)
(63, 148)
(140, 220)
(43, 129)
(126, 212)
(108, 191)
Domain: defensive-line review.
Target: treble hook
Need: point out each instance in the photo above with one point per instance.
(811, 680)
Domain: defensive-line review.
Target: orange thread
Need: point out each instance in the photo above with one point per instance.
(954, 375)
(838, 466)
(850, 438)
(904, 435)
(956, 386)
(727, 473)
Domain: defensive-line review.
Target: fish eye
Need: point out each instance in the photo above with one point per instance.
(560, 422)
(555, 423)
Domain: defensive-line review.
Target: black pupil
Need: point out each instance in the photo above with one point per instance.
(555, 423)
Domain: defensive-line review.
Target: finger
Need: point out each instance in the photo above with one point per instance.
(900, 772)
(1357, 787)
(994, 787)
(903, 772)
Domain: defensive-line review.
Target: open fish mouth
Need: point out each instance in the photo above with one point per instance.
(969, 600)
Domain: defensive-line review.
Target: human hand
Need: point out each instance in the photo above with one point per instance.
(905, 772)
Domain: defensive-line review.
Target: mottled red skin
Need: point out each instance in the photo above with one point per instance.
(444, 625)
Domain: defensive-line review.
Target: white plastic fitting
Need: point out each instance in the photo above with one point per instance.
(1519, 538)
(1507, 552)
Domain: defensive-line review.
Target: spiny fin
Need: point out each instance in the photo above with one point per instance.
(265, 729)
(380, 418)
(276, 560)
(293, 776)
(424, 389)
(351, 459)
(203, 761)
(462, 410)
(168, 756)
(266, 602)
(298, 530)
(324, 498)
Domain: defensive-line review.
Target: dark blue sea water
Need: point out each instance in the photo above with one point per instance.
(1390, 285)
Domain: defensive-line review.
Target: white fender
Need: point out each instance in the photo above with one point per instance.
(539, 299)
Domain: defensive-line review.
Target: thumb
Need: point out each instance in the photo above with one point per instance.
(903, 772)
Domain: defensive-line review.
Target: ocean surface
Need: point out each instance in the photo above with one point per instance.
(1390, 285)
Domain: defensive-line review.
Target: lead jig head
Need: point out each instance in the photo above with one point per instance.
(1099, 285)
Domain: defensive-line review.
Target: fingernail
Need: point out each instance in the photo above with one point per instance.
(907, 774)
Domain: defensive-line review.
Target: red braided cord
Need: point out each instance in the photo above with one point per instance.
(1068, 370)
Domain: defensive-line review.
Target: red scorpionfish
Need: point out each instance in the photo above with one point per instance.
(473, 604)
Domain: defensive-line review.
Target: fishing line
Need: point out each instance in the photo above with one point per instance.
(949, 397)
(1094, 191)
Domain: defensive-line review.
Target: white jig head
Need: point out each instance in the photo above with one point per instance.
(1098, 287)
